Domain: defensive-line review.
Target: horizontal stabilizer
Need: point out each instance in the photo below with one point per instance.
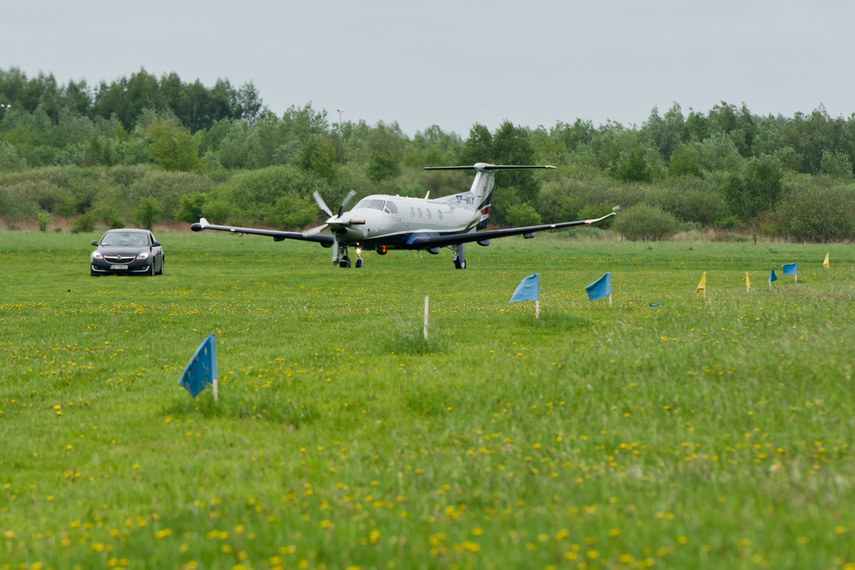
(484, 167)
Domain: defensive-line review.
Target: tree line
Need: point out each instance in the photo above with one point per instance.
(144, 149)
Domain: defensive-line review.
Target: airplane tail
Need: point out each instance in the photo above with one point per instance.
(480, 195)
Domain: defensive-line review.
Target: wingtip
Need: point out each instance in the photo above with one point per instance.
(200, 225)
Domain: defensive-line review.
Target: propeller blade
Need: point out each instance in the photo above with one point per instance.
(315, 230)
(321, 204)
(346, 202)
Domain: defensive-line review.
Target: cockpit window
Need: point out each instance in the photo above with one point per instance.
(391, 208)
(375, 205)
(361, 204)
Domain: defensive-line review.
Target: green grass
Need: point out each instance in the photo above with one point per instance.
(700, 433)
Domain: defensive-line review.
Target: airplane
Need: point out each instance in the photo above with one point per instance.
(382, 222)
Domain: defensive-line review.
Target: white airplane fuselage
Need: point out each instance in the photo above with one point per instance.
(382, 220)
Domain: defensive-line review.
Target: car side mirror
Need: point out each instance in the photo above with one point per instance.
(95, 243)
(155, 244)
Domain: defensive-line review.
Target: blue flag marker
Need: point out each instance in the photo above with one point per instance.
(790, 269)
(527, 290)
(600, 288)
(772, 277)
(202, 368)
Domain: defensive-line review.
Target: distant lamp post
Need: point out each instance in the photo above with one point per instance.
(339, 118)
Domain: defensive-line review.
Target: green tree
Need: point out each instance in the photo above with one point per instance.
(666, 133)
(10, 159)
(147, 213)
(43, 218)
(836, 165)
(478, 147)
(513, 145)
(685, 161)
(632, 165)
(382, 166)
(173, 147)
(318, 156)
(758, 187)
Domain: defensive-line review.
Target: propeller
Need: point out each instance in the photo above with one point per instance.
(321, 204)
(326, 209)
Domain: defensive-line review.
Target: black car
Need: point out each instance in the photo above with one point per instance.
(127, 252)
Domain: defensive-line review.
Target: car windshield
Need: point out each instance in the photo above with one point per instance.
(124, 239)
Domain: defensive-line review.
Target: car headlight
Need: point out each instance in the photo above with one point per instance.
(143, 255)
(97, 255)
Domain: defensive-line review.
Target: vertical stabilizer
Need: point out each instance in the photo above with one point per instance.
(480, 195)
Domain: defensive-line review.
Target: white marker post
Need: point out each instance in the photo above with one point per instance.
(214, 384)
(537, 308)
(427, 305)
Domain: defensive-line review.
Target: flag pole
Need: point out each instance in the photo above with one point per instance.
(610, 299)
(537, 308)
(426, 316)
(215, 389)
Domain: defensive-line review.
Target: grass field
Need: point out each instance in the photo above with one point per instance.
(711, 433)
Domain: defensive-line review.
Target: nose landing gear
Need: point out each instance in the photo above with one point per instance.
(344, 260)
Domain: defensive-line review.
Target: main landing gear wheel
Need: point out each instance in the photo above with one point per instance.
(457, 256)
(344, 262)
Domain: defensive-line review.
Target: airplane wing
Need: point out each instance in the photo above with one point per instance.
(440, 241)
(324, 240)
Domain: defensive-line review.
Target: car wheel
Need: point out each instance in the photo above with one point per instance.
(151, 269)
(162, 264)
(93, 274)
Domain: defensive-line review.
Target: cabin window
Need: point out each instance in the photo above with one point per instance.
(440, 214)
(420, 212)
(428, 213)
(412, 212)
(391, 208)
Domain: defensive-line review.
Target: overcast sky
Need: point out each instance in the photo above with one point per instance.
(457, 63)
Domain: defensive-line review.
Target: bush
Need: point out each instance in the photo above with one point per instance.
(83, 224)
(819, 215)
(594, 211)
(291, 211)
(217, 211)
(701, 206)
(646, 223)
(521, 215)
